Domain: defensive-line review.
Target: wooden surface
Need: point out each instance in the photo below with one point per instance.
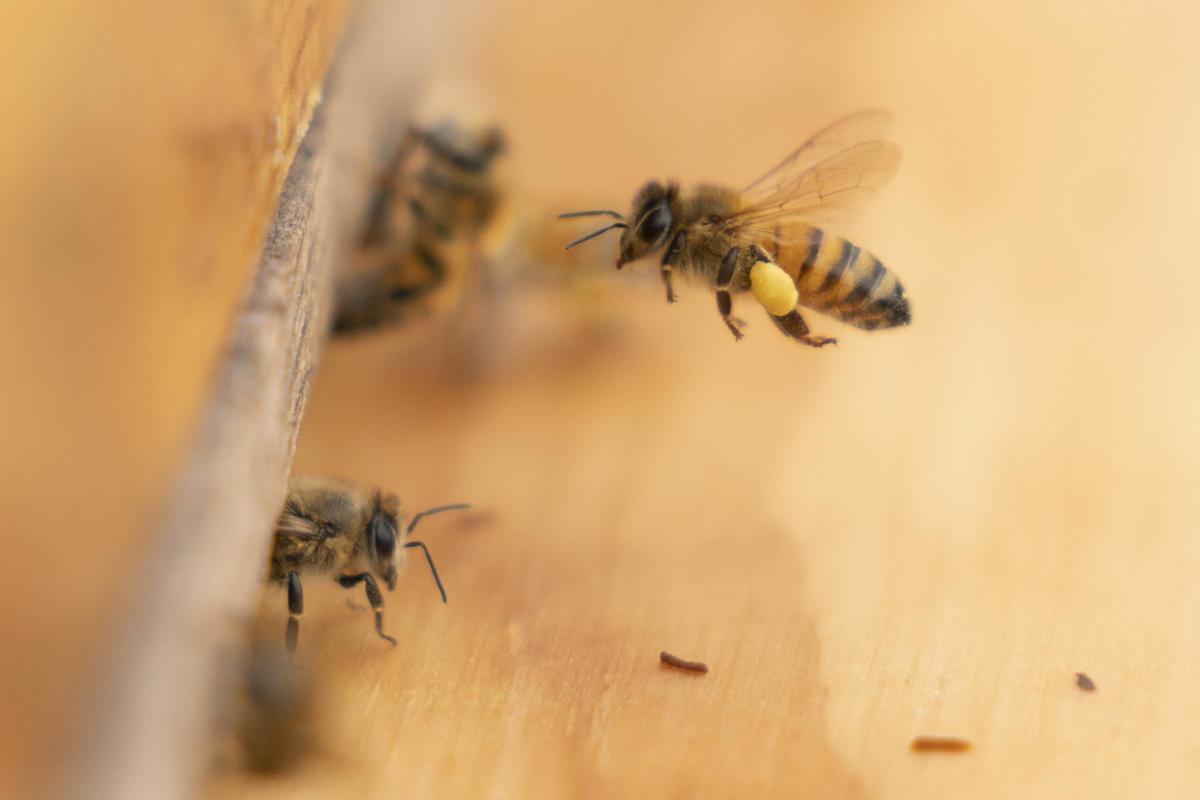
(157, 379)
(142, 160)
(166, 675)
(925, 532)
(921, 532)
(154, 711)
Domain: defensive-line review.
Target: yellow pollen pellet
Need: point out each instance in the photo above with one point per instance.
(773, 287)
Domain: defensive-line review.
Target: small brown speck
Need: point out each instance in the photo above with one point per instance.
(1084, 682)
(674, 661)
(939, 744)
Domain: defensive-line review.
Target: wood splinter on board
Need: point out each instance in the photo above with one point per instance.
(939, 744)
(688, 666)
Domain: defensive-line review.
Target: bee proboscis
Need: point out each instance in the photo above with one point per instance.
(761, 239)
(331, 528)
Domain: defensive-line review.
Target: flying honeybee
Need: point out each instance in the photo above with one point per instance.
(329, 528)
(437, 197)
(760, 239)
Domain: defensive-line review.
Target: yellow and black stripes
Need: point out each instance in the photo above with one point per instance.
(839, 278)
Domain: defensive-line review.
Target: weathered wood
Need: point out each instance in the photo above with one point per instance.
(170, 670)
(201, 579)
(143, 163)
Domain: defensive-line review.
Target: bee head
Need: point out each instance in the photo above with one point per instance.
(383, 531)
(653, 222)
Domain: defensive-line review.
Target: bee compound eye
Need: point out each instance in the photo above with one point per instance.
(655, 223)
(384, 539)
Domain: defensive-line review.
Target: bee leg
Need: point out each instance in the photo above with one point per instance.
(724, 300)
(295, 608)
(669, 259)
(665, 272)
(728, 265)
(374, 597)
(794, 326)
(725, 306)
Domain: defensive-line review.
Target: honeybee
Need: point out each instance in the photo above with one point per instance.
(331, 528)
(438, 195)
(758, 239)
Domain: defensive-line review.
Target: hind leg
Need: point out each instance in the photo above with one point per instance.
(794, 326)
(775, 289)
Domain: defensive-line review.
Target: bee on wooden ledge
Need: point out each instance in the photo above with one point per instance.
(355, 536)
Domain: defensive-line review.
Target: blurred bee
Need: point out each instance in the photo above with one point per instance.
(758, 240)
(329, 528)
(439, 194)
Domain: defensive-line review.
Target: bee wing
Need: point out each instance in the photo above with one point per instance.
(826, 177)
(870, 123)
(296, 527)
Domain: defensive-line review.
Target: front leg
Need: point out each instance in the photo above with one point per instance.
(670, 259)
(665, 272)
(295, 591)
(374, 597)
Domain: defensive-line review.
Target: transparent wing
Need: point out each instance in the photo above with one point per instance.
(827, 177)
(833, 189)
(871, 123)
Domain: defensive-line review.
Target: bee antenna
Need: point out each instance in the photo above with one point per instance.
(594, 234)
(598, 213)
(437, 510)
(421, 545)
(432, 568)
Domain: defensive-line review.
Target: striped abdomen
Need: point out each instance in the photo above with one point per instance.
(838, 278)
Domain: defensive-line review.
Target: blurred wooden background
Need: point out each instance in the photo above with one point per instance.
(143, 158)
(927, 531)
